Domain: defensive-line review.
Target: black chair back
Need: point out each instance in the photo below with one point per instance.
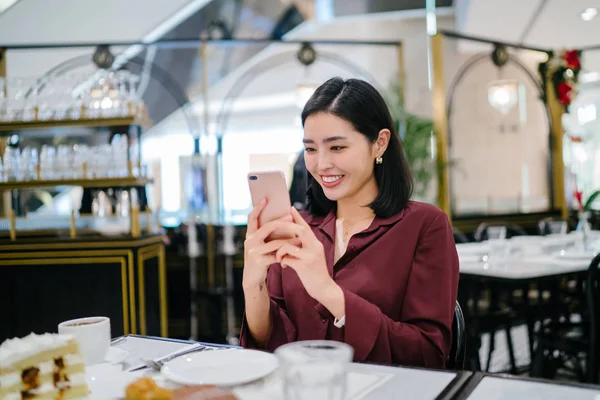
(459, 236)
(593, 303)
(458, 351)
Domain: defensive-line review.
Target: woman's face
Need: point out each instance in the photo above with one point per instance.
(339, 158)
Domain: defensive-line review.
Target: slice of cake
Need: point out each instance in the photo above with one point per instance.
(45, 366)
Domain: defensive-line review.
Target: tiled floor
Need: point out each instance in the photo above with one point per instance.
(500, 360)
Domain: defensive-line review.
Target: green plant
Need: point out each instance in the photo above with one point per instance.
(592, 197)
(416, 134)
(587, 206)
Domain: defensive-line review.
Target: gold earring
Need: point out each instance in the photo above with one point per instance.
(379, 160)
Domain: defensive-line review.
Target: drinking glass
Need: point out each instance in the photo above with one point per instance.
(499, 248)
(315, 369)
(48, 165)
(557, 227)
(11, 164)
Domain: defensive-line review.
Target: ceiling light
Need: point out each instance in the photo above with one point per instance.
(589, 14)
(502, 95)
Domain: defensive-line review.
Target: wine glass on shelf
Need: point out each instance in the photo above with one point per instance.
(134, 101)
(15, 99)
(47, 162)
(31, 89)
(46, 94)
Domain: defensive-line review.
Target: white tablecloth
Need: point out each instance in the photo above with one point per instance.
(529, 257)
(365, 381)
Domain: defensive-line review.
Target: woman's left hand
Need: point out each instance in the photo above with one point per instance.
(308, 260)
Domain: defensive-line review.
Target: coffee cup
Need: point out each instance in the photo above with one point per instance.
(92, 335)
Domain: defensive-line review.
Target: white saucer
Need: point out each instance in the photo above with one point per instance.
(106, 381)
(224, 367)
(116, 355)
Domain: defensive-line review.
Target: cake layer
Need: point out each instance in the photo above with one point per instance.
(13, 382)
(14, 350)
(74, 392)
(70, 348)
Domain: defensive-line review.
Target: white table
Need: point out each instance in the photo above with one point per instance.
(377, 382)
(532, 257)
(499, 388)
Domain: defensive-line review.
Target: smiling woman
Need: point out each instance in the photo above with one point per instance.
(366, 266)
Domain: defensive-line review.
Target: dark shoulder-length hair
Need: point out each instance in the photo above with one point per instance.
(359, 103)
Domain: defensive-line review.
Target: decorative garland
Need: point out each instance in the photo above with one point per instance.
(565, 69)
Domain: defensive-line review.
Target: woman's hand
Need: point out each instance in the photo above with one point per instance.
(258, 254)
(308, 260)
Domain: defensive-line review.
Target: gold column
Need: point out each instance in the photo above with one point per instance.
(5, 196)
(440, 121)
(72, 230)
(135, 221)
(556, 110)
(162, 278)
(13, 230)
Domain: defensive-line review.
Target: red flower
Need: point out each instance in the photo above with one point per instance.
(572, 59)
(576, 139)
(579, 197)
(564, 91)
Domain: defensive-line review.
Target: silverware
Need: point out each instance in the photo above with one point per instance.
(158, 364)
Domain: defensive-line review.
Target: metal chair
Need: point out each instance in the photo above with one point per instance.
(456, 359)
(459, 236)
(563, 341)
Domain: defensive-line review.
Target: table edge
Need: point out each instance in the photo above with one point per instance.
(477, 377)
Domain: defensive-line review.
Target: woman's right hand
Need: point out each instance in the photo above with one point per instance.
(258, 254)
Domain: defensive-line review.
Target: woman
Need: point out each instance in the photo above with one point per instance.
(368, 267)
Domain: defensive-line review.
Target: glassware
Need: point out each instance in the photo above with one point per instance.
(499, 248)
(15, 99)
(48, 162)
(11, 164)
(47, 100)
(134, 101)
(315, 370)
(30, 91)
(81, 155)
(496, 232)
(29, 162)
(584, 227)
(557, 227)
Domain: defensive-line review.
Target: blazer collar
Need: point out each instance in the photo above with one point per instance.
(326, 223)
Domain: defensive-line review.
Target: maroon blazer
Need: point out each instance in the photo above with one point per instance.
(400, 282)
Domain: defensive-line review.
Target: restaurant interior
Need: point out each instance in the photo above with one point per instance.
(128, 130)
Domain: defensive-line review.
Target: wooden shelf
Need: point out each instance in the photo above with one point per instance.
(83, 122)
(86, 183)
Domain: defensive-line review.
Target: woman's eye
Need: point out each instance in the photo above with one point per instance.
(336, 148)
(309, 149)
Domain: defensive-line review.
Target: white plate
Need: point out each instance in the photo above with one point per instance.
(223, 367)
(116, 355)
(106, 381)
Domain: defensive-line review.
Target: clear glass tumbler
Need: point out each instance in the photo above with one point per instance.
(315, 369)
